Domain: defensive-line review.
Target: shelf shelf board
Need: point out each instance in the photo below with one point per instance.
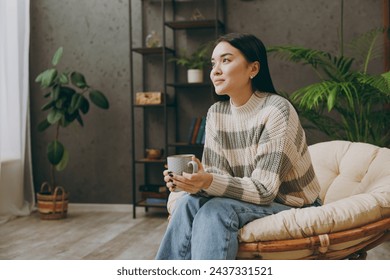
(153, 106)
(143, 203)
(149, 105)
(147, 160)
(188, 85)
(152, 51)
(185, 144)
(194, 24)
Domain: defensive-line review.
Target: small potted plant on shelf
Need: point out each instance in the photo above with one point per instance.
(68, 99)
(194, 63)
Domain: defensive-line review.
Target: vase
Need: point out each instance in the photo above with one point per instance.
(152, 40)
(194, 75)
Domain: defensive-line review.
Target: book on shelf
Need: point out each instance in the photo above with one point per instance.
(153, 188)
(154, 195)
(196, 130)
(159, 201)
(203, 138)
(201, 130)
(191, 129)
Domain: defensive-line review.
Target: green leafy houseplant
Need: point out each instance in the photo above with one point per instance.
(196, 60)
(68, 99)
(347, 103)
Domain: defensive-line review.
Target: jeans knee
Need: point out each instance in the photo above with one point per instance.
(217, 211)
(188, 204)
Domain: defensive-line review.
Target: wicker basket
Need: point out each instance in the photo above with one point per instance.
(52, 205)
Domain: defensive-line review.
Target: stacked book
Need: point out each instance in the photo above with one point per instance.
(196, 132)
(154, 194)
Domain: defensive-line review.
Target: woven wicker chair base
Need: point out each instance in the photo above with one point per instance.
(348, 244)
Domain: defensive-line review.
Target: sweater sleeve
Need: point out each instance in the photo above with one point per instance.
(269, 164)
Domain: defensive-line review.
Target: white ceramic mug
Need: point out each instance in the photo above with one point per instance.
(182, 163)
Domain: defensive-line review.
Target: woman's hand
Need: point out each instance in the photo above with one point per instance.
(189, 182)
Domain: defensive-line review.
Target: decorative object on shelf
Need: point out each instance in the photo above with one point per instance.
(195, 75)
(148, 98)
(153, 40)
(197, 15)
(67, 102)
(154, 153)
(195, 61)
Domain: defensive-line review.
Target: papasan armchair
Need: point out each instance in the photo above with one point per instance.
(354, 217)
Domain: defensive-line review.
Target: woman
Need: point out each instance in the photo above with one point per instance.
(255, 161)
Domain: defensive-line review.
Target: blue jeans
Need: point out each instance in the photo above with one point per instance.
(203, 228)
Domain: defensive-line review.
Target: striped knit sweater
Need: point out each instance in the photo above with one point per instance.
(258, 152)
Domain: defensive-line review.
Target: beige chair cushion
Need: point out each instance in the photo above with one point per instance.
(355, 189)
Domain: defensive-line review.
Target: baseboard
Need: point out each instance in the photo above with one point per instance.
(97, 207)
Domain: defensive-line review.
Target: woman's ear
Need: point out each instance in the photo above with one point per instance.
(255, 69)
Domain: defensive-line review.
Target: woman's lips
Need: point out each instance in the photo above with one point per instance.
(218, 81)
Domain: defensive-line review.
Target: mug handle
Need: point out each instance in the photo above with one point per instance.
(194, 166)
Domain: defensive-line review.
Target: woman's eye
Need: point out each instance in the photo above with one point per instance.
(225, 60)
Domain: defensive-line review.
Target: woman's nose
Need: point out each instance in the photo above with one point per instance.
(215, 71)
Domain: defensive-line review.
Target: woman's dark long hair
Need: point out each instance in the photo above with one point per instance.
(253, 50)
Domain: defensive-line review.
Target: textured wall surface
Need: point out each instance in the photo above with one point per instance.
(95, 37)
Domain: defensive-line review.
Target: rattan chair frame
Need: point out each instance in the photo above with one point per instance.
(373, 234)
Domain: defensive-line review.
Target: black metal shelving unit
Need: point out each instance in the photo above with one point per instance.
(139, 162)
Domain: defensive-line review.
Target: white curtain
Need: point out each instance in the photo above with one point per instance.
(16, 188)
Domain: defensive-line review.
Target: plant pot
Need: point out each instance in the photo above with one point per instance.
(52, 205)
(195, 75)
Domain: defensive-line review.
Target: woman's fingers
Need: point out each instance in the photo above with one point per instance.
(200, 166)
(167, 176)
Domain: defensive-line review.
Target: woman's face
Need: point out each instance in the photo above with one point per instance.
(231, 71)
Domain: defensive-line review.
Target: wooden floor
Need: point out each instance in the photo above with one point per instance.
(96, 232)
(90, 232)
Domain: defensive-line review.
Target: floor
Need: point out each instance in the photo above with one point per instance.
(95, 232)
(90, 232)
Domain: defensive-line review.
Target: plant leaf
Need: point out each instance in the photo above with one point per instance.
(59, 103)
(55, 93)
(55, 152)
(79, 119)
(84, 107)
(47, 106)
(43, 125)
(67, 92)
(332, 98)
(64, 161)
(99, 99)
(78, 80)
(64, 79)
(54, 116)
(47, 77)
(75, 103)
(57, 56)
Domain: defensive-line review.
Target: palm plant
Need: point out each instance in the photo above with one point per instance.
(347, 103)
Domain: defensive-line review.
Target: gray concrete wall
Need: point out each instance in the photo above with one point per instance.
(95, 37)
